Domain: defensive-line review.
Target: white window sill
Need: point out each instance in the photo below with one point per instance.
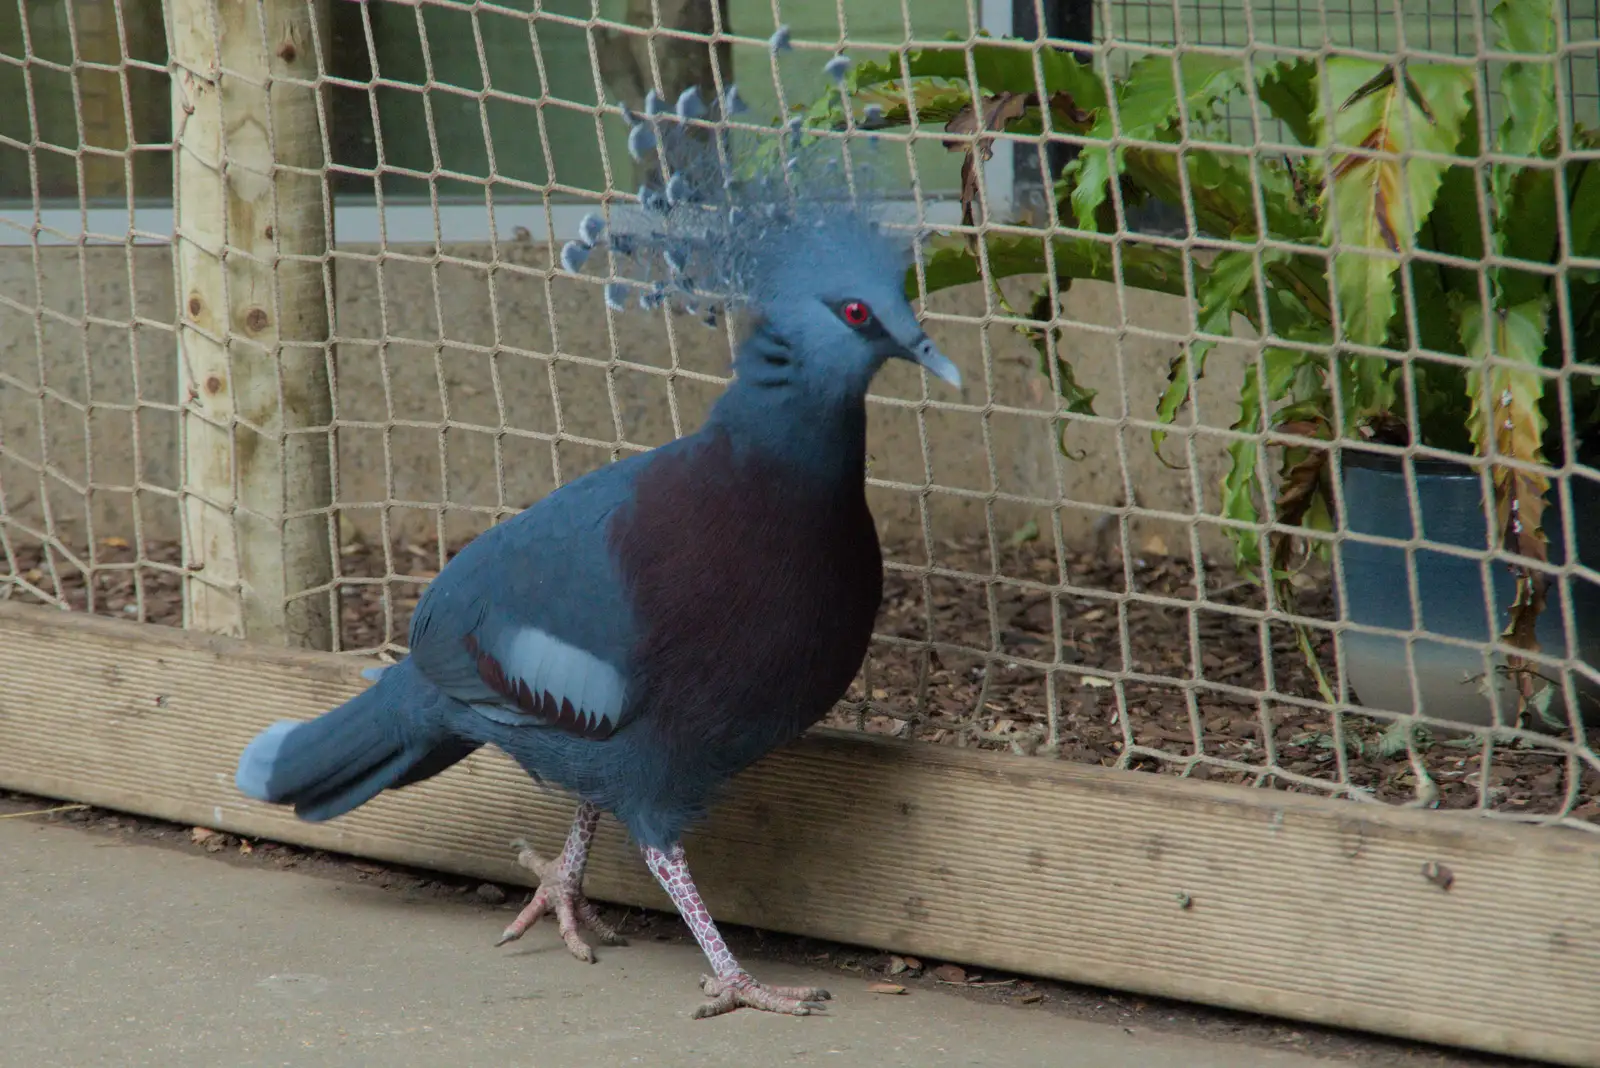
(363, 224)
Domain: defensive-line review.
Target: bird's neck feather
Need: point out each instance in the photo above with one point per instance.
(813, 431)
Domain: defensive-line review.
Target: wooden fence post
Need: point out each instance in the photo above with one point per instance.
(253, 290)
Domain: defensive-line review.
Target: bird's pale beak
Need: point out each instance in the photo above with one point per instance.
(924, 352)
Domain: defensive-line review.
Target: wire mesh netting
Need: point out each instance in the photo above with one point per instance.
(1277, 463)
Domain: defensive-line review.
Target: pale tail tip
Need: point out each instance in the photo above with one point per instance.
(254, 774)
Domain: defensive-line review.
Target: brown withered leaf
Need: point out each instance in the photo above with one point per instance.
(1520, 503)
(1506, 410)
(1439, 875)
(1304, 477)
(1304, 428)
(1385, 182)
(1386, 428)
(996, 112)
(885, 988)
(1522, 628)
(1301, 482)
(1066, 109)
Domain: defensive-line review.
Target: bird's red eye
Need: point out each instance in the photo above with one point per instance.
(856, 313)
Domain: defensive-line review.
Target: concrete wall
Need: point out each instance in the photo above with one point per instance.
(88, 382)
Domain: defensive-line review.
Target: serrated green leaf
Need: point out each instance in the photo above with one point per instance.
(1530, 230)
(1527, 27)
(998, 68)
(1455, 228)
(1221, 185)
(1231, 282)
(1289, 90)
(1284, 369)
(937, 101)
(1148, 109)
(1524, 198)
(1075, 398)
(1380, 202)
(1220, 193)
(1455, 225)
(950, 262)
(1583, 198)
(1368, 386)
(1149, 99)
(1443, 410)
(1089, 176)
(1436, 314)
(1239, 501)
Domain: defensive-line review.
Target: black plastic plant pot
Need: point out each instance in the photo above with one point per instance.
(1450, 679)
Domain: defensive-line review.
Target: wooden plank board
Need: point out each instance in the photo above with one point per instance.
(1259, 900)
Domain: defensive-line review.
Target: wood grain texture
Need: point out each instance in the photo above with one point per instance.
(251, 246)
(1297, 906)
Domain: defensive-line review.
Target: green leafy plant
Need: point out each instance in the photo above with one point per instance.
(1381, 192)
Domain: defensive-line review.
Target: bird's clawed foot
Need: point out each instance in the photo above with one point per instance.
(741, 991)
(559, 893)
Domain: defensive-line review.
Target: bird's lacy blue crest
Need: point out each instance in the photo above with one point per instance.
(728, 205)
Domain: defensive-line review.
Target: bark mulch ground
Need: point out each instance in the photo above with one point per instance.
(966, 654)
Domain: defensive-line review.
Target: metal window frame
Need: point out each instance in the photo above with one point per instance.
(1060, 20)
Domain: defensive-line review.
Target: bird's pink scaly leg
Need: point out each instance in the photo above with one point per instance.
(729, 986)
(561, 890)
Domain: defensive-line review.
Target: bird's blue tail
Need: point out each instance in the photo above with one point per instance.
(383, 737)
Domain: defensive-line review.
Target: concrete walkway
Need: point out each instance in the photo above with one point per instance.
(118, 952)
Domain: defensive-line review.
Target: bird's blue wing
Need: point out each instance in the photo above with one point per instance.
(530, 623)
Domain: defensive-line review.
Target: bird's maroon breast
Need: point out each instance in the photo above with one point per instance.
(753, 591)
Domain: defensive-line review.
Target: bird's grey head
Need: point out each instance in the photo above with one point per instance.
(787, 225)
(831, 307)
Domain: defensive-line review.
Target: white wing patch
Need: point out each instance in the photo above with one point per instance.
(534, 663)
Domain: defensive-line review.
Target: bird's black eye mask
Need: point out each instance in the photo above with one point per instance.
(858, 316)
